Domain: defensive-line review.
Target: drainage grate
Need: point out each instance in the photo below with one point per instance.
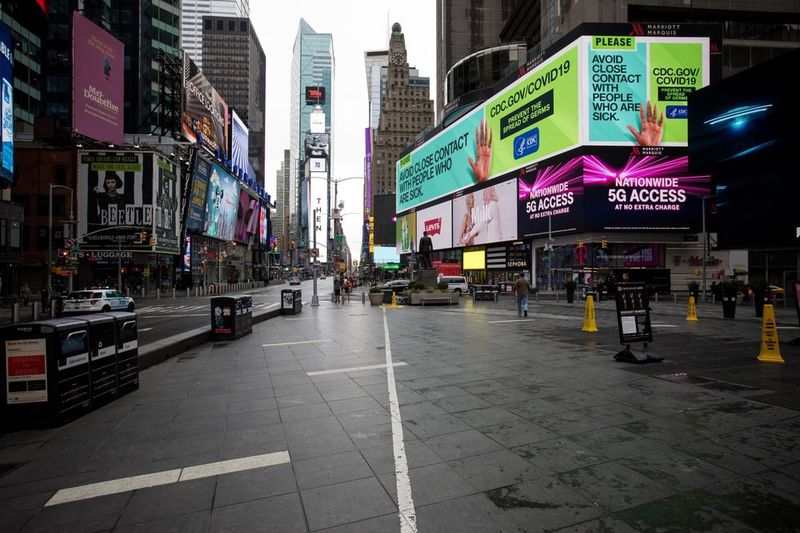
(684, 377)
(7, 468)
(779, 399)
(724, 386)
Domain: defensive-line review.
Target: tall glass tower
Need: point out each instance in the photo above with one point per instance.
(192, 12)
(312, 67)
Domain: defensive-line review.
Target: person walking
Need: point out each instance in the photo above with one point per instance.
(337, 289)
(522, 288)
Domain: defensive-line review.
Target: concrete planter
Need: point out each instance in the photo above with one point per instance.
(376, 298)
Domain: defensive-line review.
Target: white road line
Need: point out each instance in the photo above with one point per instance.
(405, 501)
(299, 319)
(788, 327)
(663, 325)
(506, 321)
(351, 369)
(166, 477)
(143, 329)
(294, 342)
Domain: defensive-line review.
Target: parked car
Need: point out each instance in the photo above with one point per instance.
(294, 281)
(97, 300)
(455, 283)
(397, 285)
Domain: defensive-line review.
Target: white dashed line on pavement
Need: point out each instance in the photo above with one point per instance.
(351, 369)
(294, 342)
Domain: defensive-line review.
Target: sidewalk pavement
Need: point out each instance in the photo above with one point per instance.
(507, 424)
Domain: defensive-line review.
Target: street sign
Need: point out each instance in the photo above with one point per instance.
(314, 252)
(69, 244)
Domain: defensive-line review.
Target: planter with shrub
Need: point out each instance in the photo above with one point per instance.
(375, 296)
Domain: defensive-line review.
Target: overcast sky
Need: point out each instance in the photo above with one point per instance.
(356, 26)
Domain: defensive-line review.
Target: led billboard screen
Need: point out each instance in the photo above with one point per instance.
(98, 69)
(485, 216)
(205, 113)
(246, 216)
(240, 143)
(221, 204)
(318, 214)
(197, 195)
(167, 214)
(315, 95)
(6, 104)
(385, 254)
(550, 197)
(438, 222)
(406, 233)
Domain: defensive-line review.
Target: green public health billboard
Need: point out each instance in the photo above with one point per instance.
(608, 90)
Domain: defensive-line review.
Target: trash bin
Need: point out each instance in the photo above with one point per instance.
(127, 339)
(58, 305)
(102, 357)
(231, 317)
(46, 372)
(291, 301)
(387, 296)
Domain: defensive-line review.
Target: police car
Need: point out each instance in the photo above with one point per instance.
(99, 300)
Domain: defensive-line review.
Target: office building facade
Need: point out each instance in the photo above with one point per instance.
(192, 13)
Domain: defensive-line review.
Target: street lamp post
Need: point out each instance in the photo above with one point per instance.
(50, 237)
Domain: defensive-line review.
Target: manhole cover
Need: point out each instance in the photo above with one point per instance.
(683, 377)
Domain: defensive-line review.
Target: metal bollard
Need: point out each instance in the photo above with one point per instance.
(656, 297)
(363, 298)
(15, 313)
(142, 291)
(556, 296)
(158, 293)
(52, 310)
(675, 298)
(173, 293)
(36, 310)
(187, 292)
(537, 297)
(713, 298)
(128, 292)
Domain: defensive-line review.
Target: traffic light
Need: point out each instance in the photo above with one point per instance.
(153, 240)
(604, 244)
(143, 236)
(64, 253)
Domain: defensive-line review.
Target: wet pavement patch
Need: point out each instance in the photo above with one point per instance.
(508, 498)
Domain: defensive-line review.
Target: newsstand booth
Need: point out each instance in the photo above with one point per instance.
(46, 371)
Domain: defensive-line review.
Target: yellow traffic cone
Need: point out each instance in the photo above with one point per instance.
(770, 346)
(692, 315)
(589, 321)
(394, 300)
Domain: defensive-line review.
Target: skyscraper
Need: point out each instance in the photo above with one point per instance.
(192, 13)
(235, 64)
(312, 68)
(280, 222)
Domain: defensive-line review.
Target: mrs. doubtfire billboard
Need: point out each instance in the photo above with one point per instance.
(98, 67)
(617, 85)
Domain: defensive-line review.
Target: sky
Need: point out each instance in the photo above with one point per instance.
(356, 26)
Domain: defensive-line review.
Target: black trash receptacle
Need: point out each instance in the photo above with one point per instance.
(102, 357)
(387, 296)
(46, 372)
(231, 317)
(127, 337)
(291, 301)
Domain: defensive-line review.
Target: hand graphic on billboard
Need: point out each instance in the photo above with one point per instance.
(483, 139)
(652, 126)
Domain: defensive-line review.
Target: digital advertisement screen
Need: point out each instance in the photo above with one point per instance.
(205, 113)
(167, 213)
(486, 215)
(221, 204)
(318, 214)
(385, 254)
(550, 197)
(438, 222)
(240, 143)
(98, 70)
(197, 202)
(115, 197)
(263, 221)
(6, 104)
(626, 191)
(406, 233)
(246, 216)
(475, 260)
(315, 95)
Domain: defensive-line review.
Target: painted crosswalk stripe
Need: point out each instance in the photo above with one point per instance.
(294, 342)
(351, 369)
(166, 477)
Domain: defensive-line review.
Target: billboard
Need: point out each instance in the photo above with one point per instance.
(263, 224)
(550, 197)
(6, 104)
(315, 95)
(167, 214)
(438, 222)
(222, 204)
(317, 145)
(627, 190)
(629, 89)
(115, 199)
(98, 67)
(198, 193)
(240, 143)
(318, 214)
(485, 216)
(406, 233)
(246, 216)
(205, 114)
(385, 254)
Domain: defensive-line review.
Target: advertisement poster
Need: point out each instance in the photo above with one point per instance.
(626, 73)
(438, 222)
(197, 203)
(167, 234)
(205, 113)
(240, 143)
(6, 104)
(98, 69)
(384, 255)
(406, 230)
(318, 214)
(626, 191)
(115, 199)
(221, 204)
(246, 217)
(263, 221)
(486, 216)
(551, 197)
(26, 371)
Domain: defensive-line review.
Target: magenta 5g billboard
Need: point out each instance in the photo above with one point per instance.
(98, 67)
(605, 85)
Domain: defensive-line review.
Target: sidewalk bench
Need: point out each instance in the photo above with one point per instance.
(444, 299)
